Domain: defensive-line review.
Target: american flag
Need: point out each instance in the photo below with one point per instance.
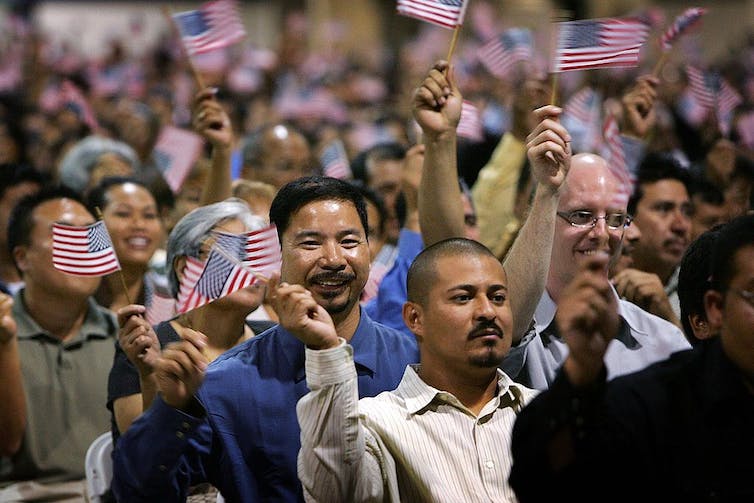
(221, 275)
(213, 26)
(584, 105)
(174, 153)
(680, 25)
(615, 155)
(500, 54)
(727, 101)
(445, 13)
(263, 250)
(335, 161)
(470, 124)
(159, 307)
(83, 251)
(188, 297)
(599, 43)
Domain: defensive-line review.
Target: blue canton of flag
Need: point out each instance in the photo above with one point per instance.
(193, 23)
(98, 238)
(216, 272)
(232, 244)
(502, 52)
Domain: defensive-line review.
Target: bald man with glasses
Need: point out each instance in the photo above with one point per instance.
(591, 219)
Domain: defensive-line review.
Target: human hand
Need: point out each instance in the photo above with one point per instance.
(8, 327)
(437, 102)
(179, 370)
(137, 338)
(587, 319)
(638, 107)
(300, 314)
(210, 120)
(549, 148)
(646, 291)
(533, 94)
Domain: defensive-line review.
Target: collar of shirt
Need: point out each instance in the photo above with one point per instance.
(418, 395)
(98, 324)
(362, 342)
(546, 309)
(672, 284)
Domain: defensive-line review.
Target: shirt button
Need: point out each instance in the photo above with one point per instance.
(489, 464)
(185, 425)
(179, 434)
(162, 468)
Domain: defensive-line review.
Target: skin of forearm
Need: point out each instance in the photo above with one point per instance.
(440, 206)
(13, 410)
(528, 260)
(218, 187)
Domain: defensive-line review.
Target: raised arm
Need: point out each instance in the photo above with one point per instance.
(528, 261)
(12, 398)
(437, 110)
(212, 122)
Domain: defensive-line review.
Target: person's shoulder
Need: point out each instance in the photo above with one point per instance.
(645, 323)
(392, 335)
(671, 369)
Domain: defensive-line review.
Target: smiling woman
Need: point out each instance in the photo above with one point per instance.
(132, 217)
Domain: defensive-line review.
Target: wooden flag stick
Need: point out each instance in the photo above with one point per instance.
(554, 90)
(660, 63)
(120, 270)
(198, 80)
(453, 42)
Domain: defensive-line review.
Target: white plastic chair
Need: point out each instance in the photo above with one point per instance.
(98, 466)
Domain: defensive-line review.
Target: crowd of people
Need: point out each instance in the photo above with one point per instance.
(520, 316)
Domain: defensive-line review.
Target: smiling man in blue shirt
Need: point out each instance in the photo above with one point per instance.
(235, 424)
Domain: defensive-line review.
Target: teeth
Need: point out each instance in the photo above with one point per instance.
(138, 241)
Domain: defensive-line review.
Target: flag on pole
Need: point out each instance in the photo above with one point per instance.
(727, 101)
(262, 251)
(584, 105)
(683, 22)
(500, 54)
(188, 297)
(83, 251)
(445, 13)
(335, 161)
(159, 308)
(220, 275)
(599, 43)
(470, 124)
(703, 86)
(615, 154)
(214, 25)
(174, 153)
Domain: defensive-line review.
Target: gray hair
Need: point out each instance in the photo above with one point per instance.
(189, 233)
(78, 163)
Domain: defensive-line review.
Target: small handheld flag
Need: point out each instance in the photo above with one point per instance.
(83, 251)
(445, 13)
(214, 25)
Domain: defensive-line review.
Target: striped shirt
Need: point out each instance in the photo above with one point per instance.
(412, 444)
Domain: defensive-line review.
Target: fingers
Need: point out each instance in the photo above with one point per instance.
(185, 359)
(126, 312)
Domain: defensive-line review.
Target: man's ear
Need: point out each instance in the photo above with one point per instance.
(714, 305)
(412, 317)
(701, 327)
(19, 256)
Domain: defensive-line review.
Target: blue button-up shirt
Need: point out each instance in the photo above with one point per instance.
(247, 442)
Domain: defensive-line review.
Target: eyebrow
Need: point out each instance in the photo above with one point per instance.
(469, 287)
(313, 233)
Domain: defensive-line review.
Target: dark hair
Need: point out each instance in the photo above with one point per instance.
(387, 151)
(656, 166)
(694, 279)
(422, 271)
(96, 197)
(706, 191)
(733, 236)
(375, 198)
(296, 194)
(12, 175)
(254, 145)
(20, 223)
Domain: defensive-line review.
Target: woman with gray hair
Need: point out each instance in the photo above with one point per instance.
(94, 158)
(131, 386)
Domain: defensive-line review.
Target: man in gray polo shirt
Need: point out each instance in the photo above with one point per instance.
(54, 369)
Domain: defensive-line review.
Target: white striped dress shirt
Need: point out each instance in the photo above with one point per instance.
(412, 444)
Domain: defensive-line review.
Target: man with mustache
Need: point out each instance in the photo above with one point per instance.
(662, 209)
(441, 435)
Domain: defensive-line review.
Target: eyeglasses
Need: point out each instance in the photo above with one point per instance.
(584, 219)
(744, 294)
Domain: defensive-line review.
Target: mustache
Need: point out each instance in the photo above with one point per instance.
(483, 326)
(333, 276)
